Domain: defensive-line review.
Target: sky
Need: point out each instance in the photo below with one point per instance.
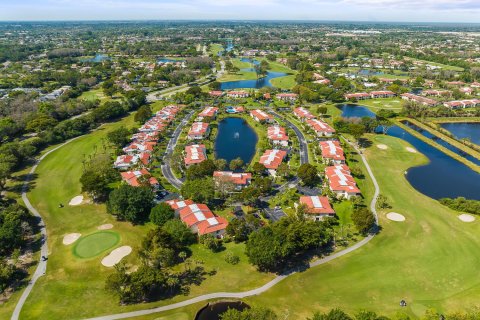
(351, 10)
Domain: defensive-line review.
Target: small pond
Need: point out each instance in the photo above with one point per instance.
(235, 138)
(462, 130)
(355, 111)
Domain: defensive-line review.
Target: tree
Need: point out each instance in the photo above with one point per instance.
(41, 123)
(321, 110)
(119, 137)
(130, 203)
(210, 242)
(161, 213)
(7, 163)
(363, 219)
(199, 190)
(255, 313)
(308, 174)
(143, 114)
(231, 258)
(236, 164)
(93, 184)
(215, 85)
(258, 168)
(283, 170)
(179, 232)
(334, 314)
(240, 229)
(356, 130)
(220, 164)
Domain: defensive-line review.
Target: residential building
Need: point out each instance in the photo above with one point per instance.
(332, 152)
(419, 99)
(216, 94)
(321, 128)
(134, 178)
(199, 131)
(382, 94)
(287, 96)
(261, 116)
(357, 96)
(277, 135)
(239, 180)
(209, 112)
(272, 159)
(238, 94)
(317, 207)
(137, 147)
(195, 154)
(303, 114)
(341, 182)
(462, 104)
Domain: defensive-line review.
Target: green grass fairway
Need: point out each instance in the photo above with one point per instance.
(287, 82)
(93, 244)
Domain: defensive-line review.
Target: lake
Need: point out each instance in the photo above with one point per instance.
(355, 111)
(442, 142)
(165, 60)
(443, 176)
(462, 130)
(212, 311)
(98, 58)
(235, 139)
(255, 83)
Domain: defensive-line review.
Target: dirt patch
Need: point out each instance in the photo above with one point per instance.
(466, 217)
(105, 226)
(71, 238)
(382, 146)
(410, 149)
(76, 201)
(395, 217)
(116, 256)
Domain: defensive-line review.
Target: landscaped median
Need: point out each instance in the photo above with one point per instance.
(436, 145)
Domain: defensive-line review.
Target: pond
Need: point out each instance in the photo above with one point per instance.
(212, 311)
(98, 58)
(165, 60)
(462, 130)
(442, 142)
(235, 138)
(255, 83)
(355, 111)
(366, 72)
(443, 176)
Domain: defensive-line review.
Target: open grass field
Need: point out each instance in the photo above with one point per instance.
(394, 104)
(284, 83)
(73, 288)
(94, 244)
(405, 261)
(94, 94)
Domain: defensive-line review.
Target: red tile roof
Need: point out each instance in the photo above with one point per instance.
(332, 150)
(320, 126)
(209, 112)
(260, 115)
(340, 179)
(271, 159)
(237, 178)
(195, 154)
(132, 177)
(301, 112)
(198, 128)
(277, 133)
(317, 205)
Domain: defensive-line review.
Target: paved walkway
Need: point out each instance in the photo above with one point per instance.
(268, 285)
(42, 265)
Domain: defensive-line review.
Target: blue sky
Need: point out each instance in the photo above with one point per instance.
(364, 10)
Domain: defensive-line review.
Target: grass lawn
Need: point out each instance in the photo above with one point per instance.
(94, 94)
(394, 104)
(286, 82)
(240, 75)
(93, 244)
(73, 287)
(215, 48)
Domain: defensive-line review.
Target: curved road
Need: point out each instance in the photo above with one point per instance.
(42, 265)
(166, 168)
(268, 285)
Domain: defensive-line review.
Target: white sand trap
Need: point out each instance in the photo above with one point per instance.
(71, 238)
(410, 149)
(382, 146)
(105, 226)
(116, 256)
(76, 201)
(395, 217)
(466, 217)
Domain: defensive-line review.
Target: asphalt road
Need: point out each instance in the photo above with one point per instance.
(300, 136)
(166, 167)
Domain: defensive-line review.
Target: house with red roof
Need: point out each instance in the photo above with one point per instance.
(238, 94)
(261, 116)
(332, 152)
(322, 129)
(318, 207)
(272, 159)
(382, 94)
(239, 180)
(209, 112)
(466, 90)
(357, 96)
(437, 93)
(303, 114)
(138, 177)
(419, 99)
(287, 96)
(138, 147)
(462, 104)
(195, 154)
(146, 136)
(216, 93)
(199, 218)
(277, 136)
(125, 161)
(199, 131)
(341, 182)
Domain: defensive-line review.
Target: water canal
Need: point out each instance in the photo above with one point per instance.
(235, 139)
(442, 177)
(462, 130)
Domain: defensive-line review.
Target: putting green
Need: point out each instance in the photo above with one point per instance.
(94, 244)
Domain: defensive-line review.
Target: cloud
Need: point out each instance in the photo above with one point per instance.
(420, 4)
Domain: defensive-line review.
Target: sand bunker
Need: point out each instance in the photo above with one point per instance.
(105, 226)
(76, 201)
(116, 256)
(395, 217)
(410, 149)
(71, 238)
(382, 146)
(466, 217)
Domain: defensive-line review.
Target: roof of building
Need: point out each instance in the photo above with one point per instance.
(340, 179)
(317, 205)
(277, 133)
(301, 112)
(132, 177)
(320, 126)
(271, 159)
(235, 177)
(260, 115)
(332, 150)
(208, 112)
(198, 128)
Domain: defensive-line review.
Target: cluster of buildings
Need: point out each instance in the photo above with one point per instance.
(138, 153)
(199, 218)
(321, 128)
(369, 95)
